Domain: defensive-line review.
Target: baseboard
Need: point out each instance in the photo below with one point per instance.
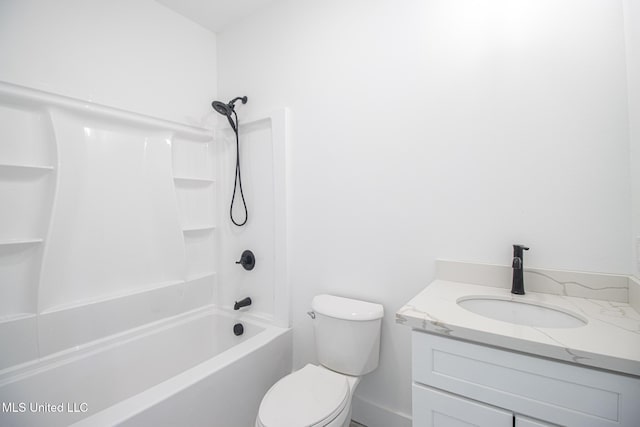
(373, 415)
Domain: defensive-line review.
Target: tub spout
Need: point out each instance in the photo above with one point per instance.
(242, 303)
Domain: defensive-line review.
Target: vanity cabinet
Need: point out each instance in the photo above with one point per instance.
(458, 383)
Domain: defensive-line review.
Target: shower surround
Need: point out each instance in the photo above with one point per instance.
(109, 227)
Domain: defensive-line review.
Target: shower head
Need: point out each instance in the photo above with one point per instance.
(227, 109)
(221, 108)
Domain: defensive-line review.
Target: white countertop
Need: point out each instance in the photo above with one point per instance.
(610, 340)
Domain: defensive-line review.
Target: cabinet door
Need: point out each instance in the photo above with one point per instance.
(530, 422)
(435, 408)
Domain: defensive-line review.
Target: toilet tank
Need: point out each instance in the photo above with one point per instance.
(347, 334)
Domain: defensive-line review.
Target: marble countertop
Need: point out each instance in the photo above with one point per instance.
(610, 340)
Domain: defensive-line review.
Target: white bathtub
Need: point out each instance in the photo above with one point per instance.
(187, 370)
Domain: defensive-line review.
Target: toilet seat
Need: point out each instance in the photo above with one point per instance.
(309, 397)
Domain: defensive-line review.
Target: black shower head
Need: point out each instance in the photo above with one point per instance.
(222, 108)
(227, 109)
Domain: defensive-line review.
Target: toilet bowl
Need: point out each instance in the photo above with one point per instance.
(312, 396)
(347, 336)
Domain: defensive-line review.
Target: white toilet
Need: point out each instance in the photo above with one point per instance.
(347, 333)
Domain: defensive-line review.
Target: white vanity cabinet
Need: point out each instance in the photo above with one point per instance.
(457, 383)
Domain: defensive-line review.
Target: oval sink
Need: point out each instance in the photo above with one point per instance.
(521, 313)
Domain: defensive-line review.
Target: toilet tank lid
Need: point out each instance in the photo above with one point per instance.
(346, 308)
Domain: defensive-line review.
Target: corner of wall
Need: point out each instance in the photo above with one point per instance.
(632, 39)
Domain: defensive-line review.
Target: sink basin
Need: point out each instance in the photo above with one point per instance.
(521, 312)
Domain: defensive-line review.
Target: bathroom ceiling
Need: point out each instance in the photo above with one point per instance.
(214, 15)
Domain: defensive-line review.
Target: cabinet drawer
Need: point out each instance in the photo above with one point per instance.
(435, 408)
(558, 392)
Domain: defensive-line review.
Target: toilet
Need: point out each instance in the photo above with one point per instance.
(347, 336)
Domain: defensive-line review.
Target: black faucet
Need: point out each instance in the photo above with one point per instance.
(242, 303)
(517, 285)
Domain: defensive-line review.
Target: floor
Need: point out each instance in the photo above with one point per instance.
(355, 424)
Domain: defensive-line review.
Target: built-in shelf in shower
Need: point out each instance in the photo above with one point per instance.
(4, 242)
(196, 228)
(14, 317)
(25, 167)
(194, 179)
(196, 203)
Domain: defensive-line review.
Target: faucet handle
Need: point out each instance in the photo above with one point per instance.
(247, 260)
(516, 263)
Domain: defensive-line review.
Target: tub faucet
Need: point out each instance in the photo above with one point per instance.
(242, 303)
(517, 285)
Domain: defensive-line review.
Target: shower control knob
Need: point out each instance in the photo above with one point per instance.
(247, 259)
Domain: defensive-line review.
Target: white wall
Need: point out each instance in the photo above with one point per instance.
(425, 129)
(632, 14)
(134, 55)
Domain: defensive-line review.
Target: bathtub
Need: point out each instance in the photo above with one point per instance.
(190, 369)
